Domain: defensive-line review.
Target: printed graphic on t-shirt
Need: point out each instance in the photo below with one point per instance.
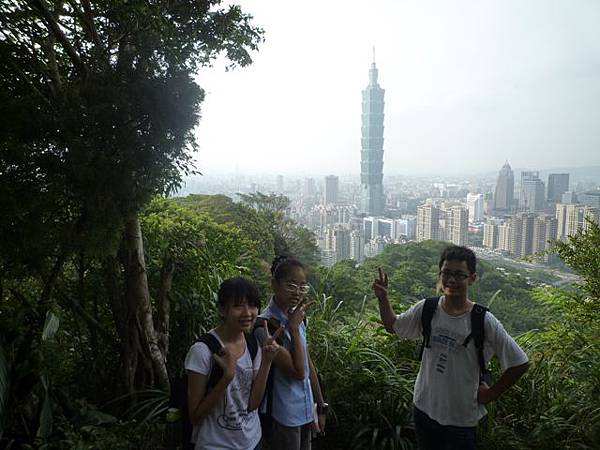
(235, 412)
(445, 342)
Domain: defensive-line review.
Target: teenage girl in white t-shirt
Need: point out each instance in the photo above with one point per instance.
(225, 417)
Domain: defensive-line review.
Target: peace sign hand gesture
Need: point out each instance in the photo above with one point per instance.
(297, 316)
(380, 285)
(270, 347)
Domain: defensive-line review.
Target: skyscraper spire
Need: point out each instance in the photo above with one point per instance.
(371, 169)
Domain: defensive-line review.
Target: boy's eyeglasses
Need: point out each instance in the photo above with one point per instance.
(293, 288)
(458, 276)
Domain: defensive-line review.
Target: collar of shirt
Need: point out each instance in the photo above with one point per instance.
(277, 312)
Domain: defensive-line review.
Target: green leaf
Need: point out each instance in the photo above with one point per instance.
(50, 326)
(45, 428)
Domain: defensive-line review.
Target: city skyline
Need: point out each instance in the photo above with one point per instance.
(465, 83)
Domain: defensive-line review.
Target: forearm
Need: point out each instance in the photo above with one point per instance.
(388, 317)
(314, 384)
(507, 379)
(210, 400)
(259, 385)
(297, 353)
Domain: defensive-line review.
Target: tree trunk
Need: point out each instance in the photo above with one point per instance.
(137, 301)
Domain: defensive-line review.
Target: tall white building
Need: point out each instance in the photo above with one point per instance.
(457, 224)
(475, 206)
(428, 223)
(357, 246)
(330, 195)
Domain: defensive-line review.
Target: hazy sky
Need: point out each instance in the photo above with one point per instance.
(467, 84)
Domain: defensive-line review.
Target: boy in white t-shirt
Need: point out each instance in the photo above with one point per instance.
(449, 397)
(225, 416)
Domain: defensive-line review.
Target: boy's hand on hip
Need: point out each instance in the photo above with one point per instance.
(485, 394)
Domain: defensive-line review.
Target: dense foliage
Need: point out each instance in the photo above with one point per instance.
(46, 361)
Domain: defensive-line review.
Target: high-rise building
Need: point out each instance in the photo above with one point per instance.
(544, 231)
(505, 236)
(521, 241)
(386, 228)
(309, 187)
(330, 195)
(369, 227)
(572, 218)
(428, 223)
(558, 184)
(590, 198)
(457, 224)
(357, 246)
(406, 227)
(569, 197)
(475, 205)
(490, 235)
(531, 198)
(371, 165)
(505, 189)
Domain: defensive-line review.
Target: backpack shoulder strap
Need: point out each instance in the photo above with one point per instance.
(426, 316)
(214, 346)
(478, 333)
(252, 344)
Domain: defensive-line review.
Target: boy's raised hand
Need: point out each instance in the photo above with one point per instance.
(226, 359)
(380, 285)
(270, 346)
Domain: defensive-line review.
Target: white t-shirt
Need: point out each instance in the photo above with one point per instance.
(229, 425)
(448, 380)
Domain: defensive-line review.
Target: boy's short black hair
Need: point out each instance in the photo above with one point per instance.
(281, 266)
(235, 290)
(459, 253)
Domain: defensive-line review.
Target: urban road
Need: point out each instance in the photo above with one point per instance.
(563, 277)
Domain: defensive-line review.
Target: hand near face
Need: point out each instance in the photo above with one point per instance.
(380, 285)
(296, 318)
(270, 347)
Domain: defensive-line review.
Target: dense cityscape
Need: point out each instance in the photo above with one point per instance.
(356, 218)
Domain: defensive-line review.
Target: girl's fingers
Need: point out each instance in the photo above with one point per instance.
(380, 273)
(306, 305)
(277, 333)
(266, 329)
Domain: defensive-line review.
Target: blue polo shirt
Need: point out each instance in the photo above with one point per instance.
(292, 404)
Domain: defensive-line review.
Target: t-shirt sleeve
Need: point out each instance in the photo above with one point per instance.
(199, 359)
(408, 324)
(505, 348)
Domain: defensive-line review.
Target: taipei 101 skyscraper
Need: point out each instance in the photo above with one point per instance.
(371, 164)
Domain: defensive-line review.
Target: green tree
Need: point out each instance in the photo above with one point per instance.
(110, 89)
(290, 238)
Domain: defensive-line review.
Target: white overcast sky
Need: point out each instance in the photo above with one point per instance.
(468, 84)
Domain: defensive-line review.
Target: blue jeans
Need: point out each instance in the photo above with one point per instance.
(433, 436)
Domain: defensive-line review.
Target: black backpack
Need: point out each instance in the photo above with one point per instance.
(477, 332)
(180, 386)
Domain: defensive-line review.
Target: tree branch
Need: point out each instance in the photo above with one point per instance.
(60, 36)
(89, 320)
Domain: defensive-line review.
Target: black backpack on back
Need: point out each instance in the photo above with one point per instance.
(477, 332)
(180, 386)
